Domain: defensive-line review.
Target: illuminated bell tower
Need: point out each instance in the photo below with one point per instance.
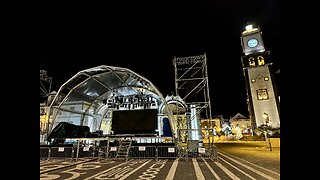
(263, 100)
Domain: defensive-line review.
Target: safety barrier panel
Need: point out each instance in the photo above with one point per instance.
(142, 152)
(61, 152)
(202, 152)
(86, 151)
(167, 152)
(208, 153)
(164, 152)
(112, 151)
(101, 152)
(44, 152)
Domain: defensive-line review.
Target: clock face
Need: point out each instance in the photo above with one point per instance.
(252, 43)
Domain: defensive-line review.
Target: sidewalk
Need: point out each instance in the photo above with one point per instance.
(275, 142)
(257, 152)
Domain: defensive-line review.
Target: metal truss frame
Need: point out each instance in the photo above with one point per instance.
(191, 78)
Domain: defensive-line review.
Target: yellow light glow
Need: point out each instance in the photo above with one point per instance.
(250, 31)
(265, 115)
(249, 27)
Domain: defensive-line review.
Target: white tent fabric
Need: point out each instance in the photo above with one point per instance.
(91, 88)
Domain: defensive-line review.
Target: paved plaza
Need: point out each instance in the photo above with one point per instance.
(228, 166)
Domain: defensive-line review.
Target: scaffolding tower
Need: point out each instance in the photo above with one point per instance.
(191, 83)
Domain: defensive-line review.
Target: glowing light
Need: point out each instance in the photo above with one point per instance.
(265, 115)
(249, 27)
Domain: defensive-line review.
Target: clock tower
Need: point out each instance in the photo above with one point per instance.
(263, 101)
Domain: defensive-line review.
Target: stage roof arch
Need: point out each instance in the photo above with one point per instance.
(90, 88)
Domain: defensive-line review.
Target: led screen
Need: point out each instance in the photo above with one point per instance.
(135, 121)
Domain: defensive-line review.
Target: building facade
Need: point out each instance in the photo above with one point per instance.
(263, 99)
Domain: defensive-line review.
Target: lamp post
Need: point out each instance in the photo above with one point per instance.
(267, 125)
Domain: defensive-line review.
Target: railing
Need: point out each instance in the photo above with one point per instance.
(111, 146)
(209, 152)
(47, 153)
(143, 152)
(167, 152)
(136, 152)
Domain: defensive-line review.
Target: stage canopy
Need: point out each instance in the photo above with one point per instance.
(90, 96)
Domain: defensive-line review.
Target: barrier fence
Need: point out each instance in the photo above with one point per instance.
(113, 148)
(167, 152)
(202, 152)
(61, 152)
(144, 151)
(44, 153)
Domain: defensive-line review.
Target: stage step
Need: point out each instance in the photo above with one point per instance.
(124, 149)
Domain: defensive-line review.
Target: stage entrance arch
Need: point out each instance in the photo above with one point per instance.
(179, 109)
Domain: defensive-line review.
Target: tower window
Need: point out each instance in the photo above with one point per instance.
(266, 78)
(262, 94)
(253, 80)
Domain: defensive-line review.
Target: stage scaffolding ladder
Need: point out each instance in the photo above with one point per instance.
(124, 149)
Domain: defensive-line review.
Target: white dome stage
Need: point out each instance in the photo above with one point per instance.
(92, 96)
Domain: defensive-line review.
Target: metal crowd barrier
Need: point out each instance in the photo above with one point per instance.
(44, 152)
(101, 152)
(155, 152)
(61, 152)
(66, 152)
(209, 153)
(202, 152)
(86, 151)
(112, 151)
(142, 152)
(167, 152)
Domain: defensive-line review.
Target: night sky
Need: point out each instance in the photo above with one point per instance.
(145, 37)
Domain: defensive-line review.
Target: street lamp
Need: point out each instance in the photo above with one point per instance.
(266, 127)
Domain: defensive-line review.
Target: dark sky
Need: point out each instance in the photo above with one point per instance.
(145, 37)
